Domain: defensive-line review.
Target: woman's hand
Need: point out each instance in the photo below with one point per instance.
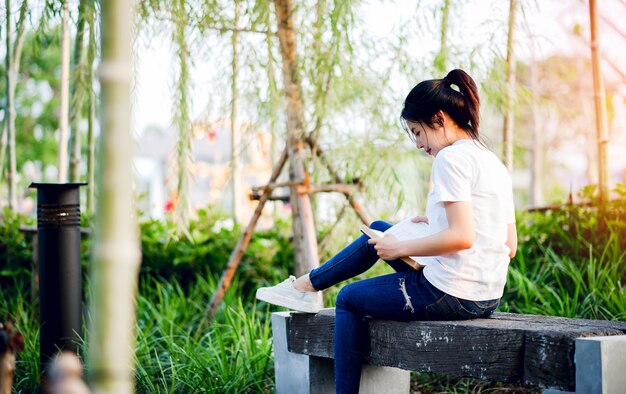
(386, 247)
(419, 219)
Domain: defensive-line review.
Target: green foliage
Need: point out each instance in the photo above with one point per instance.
(571, 261)
(15, 249)
(206, 251)
(268, 257)
(36, 98)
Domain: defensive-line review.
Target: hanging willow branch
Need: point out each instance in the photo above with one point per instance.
(181, 115)
(441, 60)
(235, 131)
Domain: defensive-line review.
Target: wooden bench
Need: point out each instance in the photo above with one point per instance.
(575, 355)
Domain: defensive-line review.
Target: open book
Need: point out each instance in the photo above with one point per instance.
(403, 231)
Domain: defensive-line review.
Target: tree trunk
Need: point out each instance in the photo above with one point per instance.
(234, 120)
(12, 65)
(77, 94)
(509, 100)
(11, 76)
(10, 111)
(65, 94)
(305, 242)
(536, 161)
(116, 251)
(8, 132)
(3, 145)
(274, 102)
(600, 104)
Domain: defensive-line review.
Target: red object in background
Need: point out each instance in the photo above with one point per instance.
(212, 135)
(170, 206)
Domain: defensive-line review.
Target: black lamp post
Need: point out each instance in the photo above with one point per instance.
(60, 288)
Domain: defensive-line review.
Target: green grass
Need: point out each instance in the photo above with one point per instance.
(589, 287)
(175, 351)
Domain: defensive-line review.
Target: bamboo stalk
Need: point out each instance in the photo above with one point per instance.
(77, 95)
(116, 250)
(91, 119)
(65, 94)
(599, 103)
(244, 240)
(509, 100)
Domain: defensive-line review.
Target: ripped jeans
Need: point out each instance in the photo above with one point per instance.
(403, 296)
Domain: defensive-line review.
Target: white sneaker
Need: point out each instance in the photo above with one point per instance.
(284, 294)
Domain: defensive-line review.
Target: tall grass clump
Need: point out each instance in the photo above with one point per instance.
(177, 353)
(571, 261)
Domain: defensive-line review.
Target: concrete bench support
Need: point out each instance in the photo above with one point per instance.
(600, 366)
(303, 374)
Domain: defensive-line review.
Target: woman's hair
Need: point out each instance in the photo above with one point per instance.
(429, 97)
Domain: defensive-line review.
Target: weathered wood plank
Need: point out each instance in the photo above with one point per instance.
(529, 349)
(449, 349)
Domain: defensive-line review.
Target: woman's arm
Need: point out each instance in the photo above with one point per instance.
(459, 235)
(511, 239)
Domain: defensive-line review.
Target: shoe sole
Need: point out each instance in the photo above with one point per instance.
(285, 302)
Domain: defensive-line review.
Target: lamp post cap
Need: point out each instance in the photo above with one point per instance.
(58, 185)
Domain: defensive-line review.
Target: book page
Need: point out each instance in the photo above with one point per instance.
(406, 230)
(403, 231)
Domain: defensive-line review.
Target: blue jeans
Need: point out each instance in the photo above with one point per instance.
(403, 296)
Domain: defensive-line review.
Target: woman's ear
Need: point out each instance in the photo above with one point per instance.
(439, 118)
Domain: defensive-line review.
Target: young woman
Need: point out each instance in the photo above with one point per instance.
(472, 235)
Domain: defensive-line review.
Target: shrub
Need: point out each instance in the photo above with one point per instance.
(571, 261)
(204, 252)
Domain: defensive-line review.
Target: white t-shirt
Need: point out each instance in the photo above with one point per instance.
(466, 171)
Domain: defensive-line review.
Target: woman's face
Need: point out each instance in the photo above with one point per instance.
(430, 139)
